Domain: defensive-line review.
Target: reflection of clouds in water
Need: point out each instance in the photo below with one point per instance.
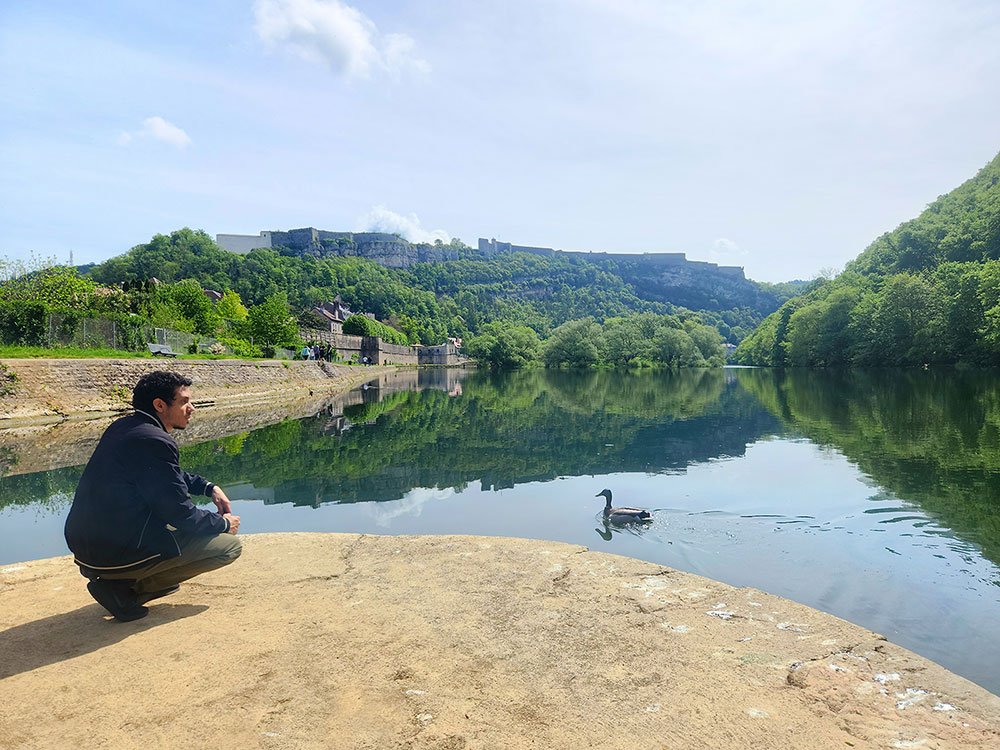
(410, 504)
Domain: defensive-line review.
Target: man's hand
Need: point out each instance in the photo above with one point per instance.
(234, 523)
(221, 501)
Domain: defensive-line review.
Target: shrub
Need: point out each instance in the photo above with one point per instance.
(359, 325)
(8, 381)
(23, 323)
(241, 347)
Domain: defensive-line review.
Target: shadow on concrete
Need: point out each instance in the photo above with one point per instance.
(71, 634)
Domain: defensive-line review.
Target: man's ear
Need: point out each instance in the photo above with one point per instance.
(159, 405)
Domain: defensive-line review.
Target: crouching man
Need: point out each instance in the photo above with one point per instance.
(133, 529)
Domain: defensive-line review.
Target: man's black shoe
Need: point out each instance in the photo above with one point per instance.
(150, 595)
(117, 599)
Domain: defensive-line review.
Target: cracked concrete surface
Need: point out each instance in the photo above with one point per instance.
(348, 641)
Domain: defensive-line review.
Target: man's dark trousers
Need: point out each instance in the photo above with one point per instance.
(199, 554)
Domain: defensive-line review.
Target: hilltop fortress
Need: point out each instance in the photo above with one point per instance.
(394, 252)
(664, 277)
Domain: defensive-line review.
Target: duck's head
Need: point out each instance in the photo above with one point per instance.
(605, 494)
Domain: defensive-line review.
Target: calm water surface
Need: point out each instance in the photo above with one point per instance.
(873, 496)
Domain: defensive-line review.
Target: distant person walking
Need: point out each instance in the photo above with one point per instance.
(132, 528)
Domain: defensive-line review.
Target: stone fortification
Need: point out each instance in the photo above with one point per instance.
(388, 250)
(652, 260)
(50, 390)
(660, 277)
(395, 252)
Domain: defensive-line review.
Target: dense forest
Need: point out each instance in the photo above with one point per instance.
(513, 311)
(927, 292)
(428, 301)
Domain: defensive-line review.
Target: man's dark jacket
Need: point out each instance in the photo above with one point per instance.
(132, 488)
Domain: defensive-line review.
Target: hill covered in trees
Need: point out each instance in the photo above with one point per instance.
(927, 292)
(427, 301)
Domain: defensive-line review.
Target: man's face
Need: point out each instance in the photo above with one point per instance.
(176, 415)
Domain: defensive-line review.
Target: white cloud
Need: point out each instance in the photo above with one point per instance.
(411, 504)
(725, 251)
(159, 130)
(381, 219)
(335, 33)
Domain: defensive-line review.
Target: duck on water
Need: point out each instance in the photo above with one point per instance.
(623, 515)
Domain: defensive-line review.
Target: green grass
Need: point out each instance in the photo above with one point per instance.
(66, 352)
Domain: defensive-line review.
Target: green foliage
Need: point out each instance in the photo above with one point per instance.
(23, 323)
(54, 287)
(131, 332)
(429, 301)
(271, 325)
(241, 348)
(674, 348)
(573, 344)
(926, 293)
(931, 436)
(504, 347)
(527, 425)
(230, 308)
(962, 226)
(8, 380)
(67, 352)
(634, 341)
(359, 325)
(629, 340)
(191, 302)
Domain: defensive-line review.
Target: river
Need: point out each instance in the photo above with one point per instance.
(874, 496)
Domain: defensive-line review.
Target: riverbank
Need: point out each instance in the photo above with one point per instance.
(44, 391)
(347, 641)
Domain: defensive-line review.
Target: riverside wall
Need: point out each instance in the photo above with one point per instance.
(39, 391)
(381, 352)
(34, 446)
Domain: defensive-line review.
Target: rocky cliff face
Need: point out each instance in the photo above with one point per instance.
(660, 277)
(385, 249)
(698, 286)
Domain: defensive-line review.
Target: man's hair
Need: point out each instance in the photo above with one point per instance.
(154, 385)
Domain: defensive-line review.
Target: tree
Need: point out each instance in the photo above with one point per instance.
(707, 339)
(574, 344)
(504, 347)
(190, 300)
(626, 340)
(270, 324)
(674, 348)
(230, 308)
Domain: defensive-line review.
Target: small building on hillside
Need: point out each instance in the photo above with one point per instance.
(330, 316)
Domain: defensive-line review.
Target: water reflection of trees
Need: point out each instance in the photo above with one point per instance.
(930, 436)
(505, 429)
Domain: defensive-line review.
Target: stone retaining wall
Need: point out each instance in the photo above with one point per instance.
(47, 390)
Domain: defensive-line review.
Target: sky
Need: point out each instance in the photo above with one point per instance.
(780, 136)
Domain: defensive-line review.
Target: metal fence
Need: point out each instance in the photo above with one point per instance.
(85, 333)
(98, 333)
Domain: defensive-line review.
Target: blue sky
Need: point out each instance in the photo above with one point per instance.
(779, 136)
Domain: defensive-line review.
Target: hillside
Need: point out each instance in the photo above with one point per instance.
(669, 278)
(455, 296)
(927, 292)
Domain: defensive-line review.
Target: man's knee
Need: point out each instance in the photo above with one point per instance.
(232, 549)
